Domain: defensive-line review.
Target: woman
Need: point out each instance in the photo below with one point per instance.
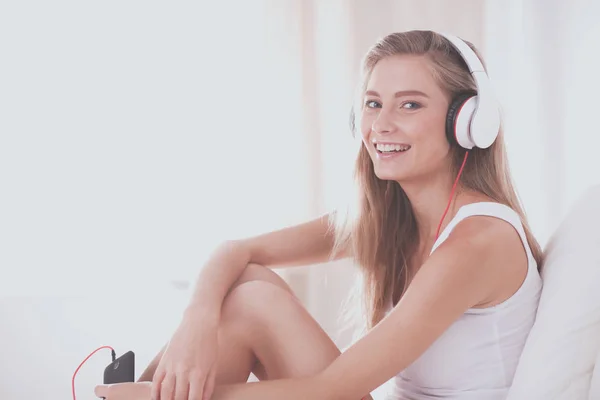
(450, 265)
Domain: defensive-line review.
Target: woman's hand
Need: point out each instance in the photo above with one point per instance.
(124, 391)
(187, 369)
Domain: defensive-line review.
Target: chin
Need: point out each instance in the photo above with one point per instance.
(397, 176)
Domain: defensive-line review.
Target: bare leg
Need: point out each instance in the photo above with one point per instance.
(283, 313)
(253, 272)
(281, 337)
(265, 330)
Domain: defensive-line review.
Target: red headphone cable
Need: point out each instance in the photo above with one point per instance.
(113, 355)
(451, 194)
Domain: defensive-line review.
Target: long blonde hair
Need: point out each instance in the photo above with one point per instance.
(383, 232)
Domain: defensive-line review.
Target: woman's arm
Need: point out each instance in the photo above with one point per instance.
(463, 272)
(303, 244)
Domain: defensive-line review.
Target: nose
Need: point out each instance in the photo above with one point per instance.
(383, 124)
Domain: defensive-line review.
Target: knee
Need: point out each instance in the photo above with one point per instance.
(255, 301)
(256, 272)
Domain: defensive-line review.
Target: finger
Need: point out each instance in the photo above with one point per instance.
(182, 388)
(167, 388)
(210, 384)
(157, 379)
(102, 391)
(197, 383)
(196, 386)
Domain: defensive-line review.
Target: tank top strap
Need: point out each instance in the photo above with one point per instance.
(490, 209)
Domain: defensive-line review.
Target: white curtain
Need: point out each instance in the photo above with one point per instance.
(541, 56)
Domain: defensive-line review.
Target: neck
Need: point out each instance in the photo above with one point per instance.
(429, 201)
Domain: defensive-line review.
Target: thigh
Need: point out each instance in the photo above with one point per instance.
(237, 362)
(284, 339)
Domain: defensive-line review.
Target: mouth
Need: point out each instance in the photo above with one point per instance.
(391, 148)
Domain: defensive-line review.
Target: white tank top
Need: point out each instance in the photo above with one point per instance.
(476, 358)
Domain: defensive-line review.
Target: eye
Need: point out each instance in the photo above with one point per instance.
(372, 104)
(411, 105)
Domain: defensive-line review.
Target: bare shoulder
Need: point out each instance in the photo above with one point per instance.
(490, 234)
(500, 252)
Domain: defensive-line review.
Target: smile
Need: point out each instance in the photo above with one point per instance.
(390, 148)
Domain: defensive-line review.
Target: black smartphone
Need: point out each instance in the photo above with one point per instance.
(121, 370)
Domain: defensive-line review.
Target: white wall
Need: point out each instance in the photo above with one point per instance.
(134, 137)
(45, 338)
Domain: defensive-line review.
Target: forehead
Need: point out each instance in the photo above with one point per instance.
(403, 72)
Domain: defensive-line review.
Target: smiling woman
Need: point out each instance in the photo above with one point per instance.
(373, 101)
(448, 309)
(419, 114)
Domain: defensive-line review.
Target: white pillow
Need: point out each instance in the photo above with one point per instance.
(595, 382)
(560, 352)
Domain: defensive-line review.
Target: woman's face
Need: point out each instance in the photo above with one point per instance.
(403, 120)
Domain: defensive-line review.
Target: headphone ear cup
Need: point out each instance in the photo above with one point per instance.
(460, 110)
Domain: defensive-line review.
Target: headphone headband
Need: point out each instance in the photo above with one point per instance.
(473, 62)
(484, 124)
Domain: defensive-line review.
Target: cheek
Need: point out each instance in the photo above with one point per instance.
(435, 146)
(365, 124)
(430, 130)
(365, 132)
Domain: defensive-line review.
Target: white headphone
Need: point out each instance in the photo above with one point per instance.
(473, 120)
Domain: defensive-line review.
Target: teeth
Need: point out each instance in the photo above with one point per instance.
(391, 147)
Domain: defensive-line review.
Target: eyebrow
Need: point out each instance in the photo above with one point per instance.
(400, 93)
